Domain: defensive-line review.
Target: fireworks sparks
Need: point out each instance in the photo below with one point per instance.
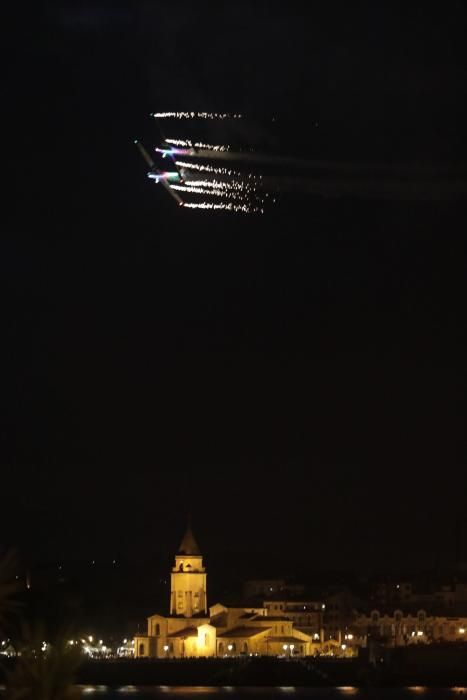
(235, 190)
(207, 168)
(243, 208)
(198, 144)
(195, 115)
(226, 193)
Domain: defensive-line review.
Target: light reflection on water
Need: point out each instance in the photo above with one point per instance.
(270, 693)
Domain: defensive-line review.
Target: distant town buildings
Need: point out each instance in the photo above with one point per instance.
(280, 618)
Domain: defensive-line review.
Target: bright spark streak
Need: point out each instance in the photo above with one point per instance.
(203, 190)
(217, 184)
(244, 208)
(198, 144)
(195, 115)
(208, 169)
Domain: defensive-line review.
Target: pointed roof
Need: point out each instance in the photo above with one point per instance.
(188, 545)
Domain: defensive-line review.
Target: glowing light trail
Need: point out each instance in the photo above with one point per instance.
(157, 176)
(204, 190)
(174, 152)
(207, 168)
(195, 115)
(197, 144)
(218, 184)
(226, 207)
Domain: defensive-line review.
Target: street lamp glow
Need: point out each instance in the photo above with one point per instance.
(285, 647)
(90, 638)
(166, 648)
(461, 630)
(230, 647)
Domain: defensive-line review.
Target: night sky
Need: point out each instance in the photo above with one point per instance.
(295, 380)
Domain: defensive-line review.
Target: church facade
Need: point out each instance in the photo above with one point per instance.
(192, 629)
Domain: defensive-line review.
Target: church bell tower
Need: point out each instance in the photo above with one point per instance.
(188, 580)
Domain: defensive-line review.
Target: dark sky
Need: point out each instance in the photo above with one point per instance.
(296, 380)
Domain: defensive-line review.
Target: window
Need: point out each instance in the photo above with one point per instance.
(158, 630)
(206, 640)
(141, 650)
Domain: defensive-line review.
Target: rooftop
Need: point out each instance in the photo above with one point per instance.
(185, 632)
(243, 632)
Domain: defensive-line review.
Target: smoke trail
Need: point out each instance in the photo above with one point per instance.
(374, 188)
(207, 169)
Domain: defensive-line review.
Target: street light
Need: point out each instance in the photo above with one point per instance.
(291, 647)
(166, 648)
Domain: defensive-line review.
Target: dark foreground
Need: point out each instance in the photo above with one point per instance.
(269, 693)
(417, 667)
(423, 666)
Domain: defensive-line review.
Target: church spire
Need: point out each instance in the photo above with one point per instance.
(188, 545)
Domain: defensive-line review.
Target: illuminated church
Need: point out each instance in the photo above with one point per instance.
(193, 629)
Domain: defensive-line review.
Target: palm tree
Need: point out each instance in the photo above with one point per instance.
(9, 586)
(42, 671)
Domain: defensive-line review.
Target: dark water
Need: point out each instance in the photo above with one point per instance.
(131, 692)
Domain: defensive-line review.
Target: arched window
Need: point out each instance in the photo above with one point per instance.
(180, 568)
(141, 650)
(245, 648)
(158, 630)
(206, 640)
(221, 647)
